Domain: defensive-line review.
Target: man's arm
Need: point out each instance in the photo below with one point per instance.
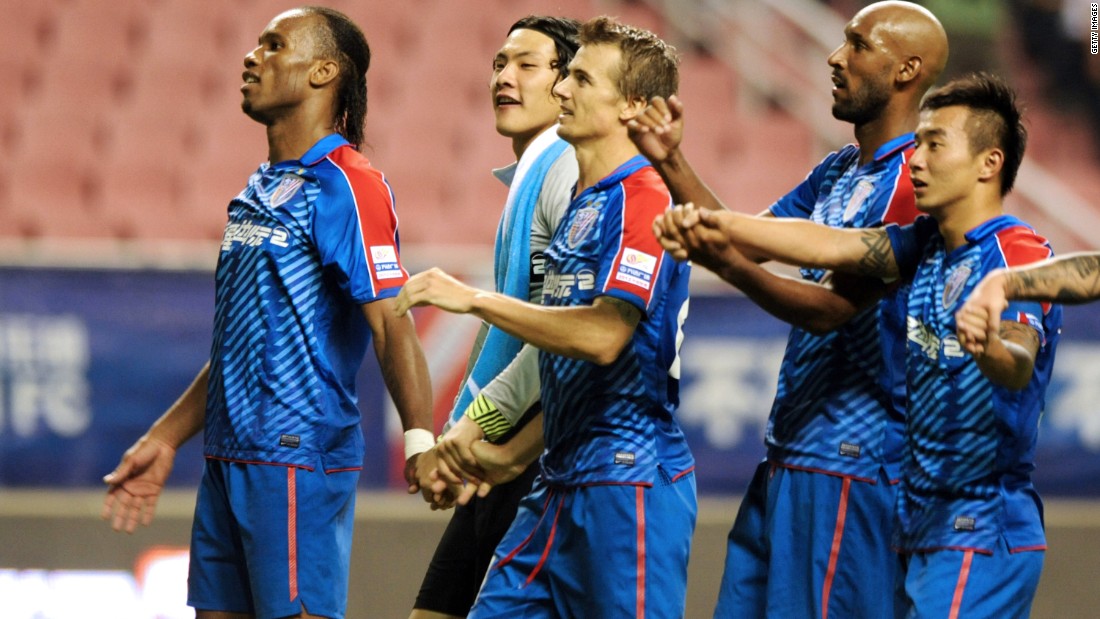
(138, 480)
(710, 237)
(405, 372)
(596, 333)
(501, 463)
(1008, 356)
(657, 133)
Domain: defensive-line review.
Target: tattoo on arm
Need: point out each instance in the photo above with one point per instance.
(627, 312)
(878, 260)
(1071, 280)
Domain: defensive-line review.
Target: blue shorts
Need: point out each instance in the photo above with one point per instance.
(595, 552)
(808, 544)
(963, 584)
(268, 539)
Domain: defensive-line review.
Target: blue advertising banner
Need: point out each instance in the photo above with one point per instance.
(89, 358)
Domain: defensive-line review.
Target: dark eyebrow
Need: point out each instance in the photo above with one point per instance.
(931, 133)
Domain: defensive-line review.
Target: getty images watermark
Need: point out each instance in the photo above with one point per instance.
(1094, 25)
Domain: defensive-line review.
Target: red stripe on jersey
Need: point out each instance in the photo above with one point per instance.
(292, 531)
(640, 255)
(901, 209)
(964, 575)
(834, 553)
(374, 205)
(639, 502)
(1020, 245)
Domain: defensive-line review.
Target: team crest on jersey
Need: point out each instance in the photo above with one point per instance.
(384, 258)
(859, 196)
(582, 225)
(956, 282)
(286, 190)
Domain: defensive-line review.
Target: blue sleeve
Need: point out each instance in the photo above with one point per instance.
(908, 243)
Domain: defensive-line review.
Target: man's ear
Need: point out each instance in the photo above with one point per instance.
(992, 162)
(910, 70)
(632, 109)
(323, 72)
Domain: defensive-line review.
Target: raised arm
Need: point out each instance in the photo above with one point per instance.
(405, 372)
(657, 133)
(708, 238)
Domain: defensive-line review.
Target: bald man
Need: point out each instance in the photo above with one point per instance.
(812, 536)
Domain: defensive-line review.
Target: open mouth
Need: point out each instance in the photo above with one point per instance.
(506, 101)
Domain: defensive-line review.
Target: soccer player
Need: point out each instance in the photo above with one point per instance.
(308, 269)
(1071, 279)
(607, 528)
(812, 535)
(531, 61)
(969, 521)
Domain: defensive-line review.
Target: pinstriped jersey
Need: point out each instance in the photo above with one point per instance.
(307, 242)
(615, 423)
(839, 404)
(971, 443)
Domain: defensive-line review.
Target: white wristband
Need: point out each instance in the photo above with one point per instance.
(417, 441)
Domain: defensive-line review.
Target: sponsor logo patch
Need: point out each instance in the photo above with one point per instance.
(929, 343)
(559, 285)
(384, 258)
(636, 268)
(290, 440)
(251, 234)
(850, 449)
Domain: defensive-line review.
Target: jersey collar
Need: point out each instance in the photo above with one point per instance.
(891, 148)
(992, 226)
(631, 166)
(317, 152)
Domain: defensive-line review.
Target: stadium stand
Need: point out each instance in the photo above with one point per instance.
(121, 120)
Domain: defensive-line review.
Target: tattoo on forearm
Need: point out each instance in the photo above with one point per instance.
(627, 312)
(1072, 280)
(877, 260)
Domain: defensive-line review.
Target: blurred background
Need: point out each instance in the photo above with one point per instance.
(122, 140)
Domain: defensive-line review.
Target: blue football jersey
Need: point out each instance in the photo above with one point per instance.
(970, 443)
(840, 401)
(307, 242)
(615, 423)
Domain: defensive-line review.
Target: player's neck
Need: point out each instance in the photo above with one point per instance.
(894, 120)
(291, 134)
(599, 158)
(520, 143)
(962, 216)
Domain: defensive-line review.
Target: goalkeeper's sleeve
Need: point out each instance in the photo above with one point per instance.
(503, 402)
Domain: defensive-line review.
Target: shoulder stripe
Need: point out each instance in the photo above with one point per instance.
(1020, 245)
(901, 207)
(376, 216)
